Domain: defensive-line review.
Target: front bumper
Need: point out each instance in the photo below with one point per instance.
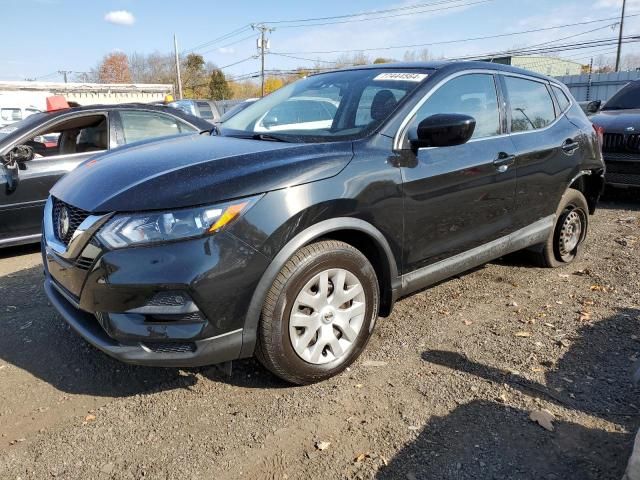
(208, 351)
(122, 301)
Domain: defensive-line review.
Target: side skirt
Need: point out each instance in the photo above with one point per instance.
(533, 234)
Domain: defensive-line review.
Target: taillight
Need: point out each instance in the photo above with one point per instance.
(600, 132)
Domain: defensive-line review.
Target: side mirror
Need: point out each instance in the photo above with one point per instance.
(594, 107)
(442, 130)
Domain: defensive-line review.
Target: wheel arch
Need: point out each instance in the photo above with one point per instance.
(591, 185)
(355, 232)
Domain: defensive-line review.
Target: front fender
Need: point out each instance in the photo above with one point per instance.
(321, 229)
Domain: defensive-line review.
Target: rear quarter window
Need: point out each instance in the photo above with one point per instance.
(563, 100)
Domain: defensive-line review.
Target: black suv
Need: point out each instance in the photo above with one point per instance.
(619, 123)
(286, 235)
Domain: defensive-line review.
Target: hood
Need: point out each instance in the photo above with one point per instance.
(618, 121)
(195, 170)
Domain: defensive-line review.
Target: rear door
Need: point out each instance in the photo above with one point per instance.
(460, 197)
(548, 147)
(78, 137)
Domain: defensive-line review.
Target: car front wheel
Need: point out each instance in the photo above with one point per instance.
(319, 313)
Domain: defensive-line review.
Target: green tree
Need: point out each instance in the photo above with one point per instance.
(218, 86)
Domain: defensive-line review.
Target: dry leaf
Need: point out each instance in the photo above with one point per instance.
(361, 457)
(523, 334)
(322, 445)
(585, 316)
(544, 418)
(90, 418)
(468, 322)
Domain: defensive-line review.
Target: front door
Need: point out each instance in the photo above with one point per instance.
(460, 197)
(59, 148)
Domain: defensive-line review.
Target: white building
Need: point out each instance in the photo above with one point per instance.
(34, 94)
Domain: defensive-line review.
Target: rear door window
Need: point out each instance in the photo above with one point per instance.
(531, 104)
(138, 126)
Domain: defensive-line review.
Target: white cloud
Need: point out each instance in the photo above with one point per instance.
(226, 50)
(120, 17)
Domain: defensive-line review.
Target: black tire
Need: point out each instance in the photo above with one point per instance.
(573, 207)
(275, 349)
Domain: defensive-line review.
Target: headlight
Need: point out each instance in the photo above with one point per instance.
(153, 227)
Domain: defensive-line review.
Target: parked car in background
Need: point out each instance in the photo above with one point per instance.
(205, 109)
(619, 123)
(290, 245)
(37, 151)
(11, 113)
(236, 109)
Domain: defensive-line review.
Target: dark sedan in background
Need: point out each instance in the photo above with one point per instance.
(619, 123)
(36, 152)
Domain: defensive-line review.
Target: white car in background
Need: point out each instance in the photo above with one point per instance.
(11, 113)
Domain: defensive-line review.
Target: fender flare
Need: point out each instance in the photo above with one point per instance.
(249, 335)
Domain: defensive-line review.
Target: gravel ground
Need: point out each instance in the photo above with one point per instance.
(445, 389)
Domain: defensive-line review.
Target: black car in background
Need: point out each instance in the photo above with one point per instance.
(37, 151)
(289, 243)
(619, 124)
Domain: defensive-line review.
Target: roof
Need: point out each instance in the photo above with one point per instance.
(450, 65)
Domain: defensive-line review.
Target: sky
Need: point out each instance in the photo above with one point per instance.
(42, 37)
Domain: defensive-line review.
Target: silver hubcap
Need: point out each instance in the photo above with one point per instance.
(570, 233)
(327, 316)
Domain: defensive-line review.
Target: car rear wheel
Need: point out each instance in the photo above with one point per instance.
(565, 242)
(319, 313)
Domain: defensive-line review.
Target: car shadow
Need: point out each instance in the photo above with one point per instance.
(487, 439)
(34, 338)
(621, 199)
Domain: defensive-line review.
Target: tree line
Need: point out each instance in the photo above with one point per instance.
(202, 79)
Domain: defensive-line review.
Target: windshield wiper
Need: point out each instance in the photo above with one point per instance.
(268, 137)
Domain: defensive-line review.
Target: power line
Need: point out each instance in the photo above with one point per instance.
(447, 42)
(222, 38)
(469, 4)
(372, 12)
(230, 44)
(409, 7)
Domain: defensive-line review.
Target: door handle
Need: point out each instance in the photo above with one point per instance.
(504, 161)
(569, 147)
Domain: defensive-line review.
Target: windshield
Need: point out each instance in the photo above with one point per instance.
(29, 122)
(327, 107)
(625, 99)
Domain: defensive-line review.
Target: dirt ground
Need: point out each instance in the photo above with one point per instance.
(444, 391)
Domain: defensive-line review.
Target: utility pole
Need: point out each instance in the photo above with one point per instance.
(64, 74)
(175, 48)
(263, 46)
(624, 5)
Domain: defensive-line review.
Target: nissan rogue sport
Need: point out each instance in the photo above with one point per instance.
(289, 243)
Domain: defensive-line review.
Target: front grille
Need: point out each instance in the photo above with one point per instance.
(76, 217)
(620, 143)
(632, 168)
(84, 263)
(186, 347)
(168, 299)
(623, 178)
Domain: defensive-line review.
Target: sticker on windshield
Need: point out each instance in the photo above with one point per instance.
(402, 77)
